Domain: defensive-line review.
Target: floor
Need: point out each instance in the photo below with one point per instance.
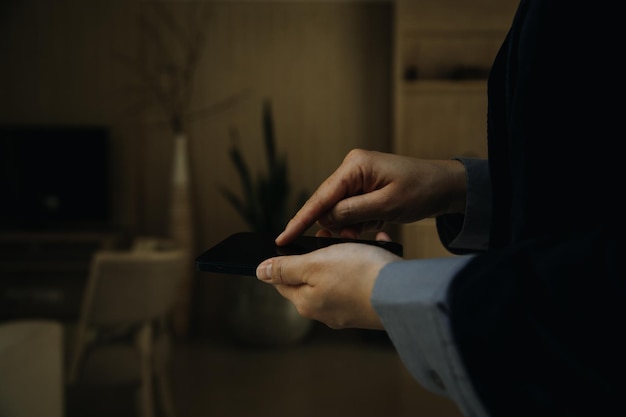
(332, 373)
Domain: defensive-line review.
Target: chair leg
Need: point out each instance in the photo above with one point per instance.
(77, 351)
(146, 393)
(165, 396)
(162, 357)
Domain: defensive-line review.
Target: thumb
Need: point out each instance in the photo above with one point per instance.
(275, 271)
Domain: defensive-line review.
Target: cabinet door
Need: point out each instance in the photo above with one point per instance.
(443, 119)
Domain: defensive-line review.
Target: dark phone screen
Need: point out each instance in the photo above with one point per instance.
(242, 252)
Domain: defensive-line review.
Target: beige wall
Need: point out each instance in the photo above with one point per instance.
(325, 66)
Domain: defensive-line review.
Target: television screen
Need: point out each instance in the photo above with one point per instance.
(54, 177)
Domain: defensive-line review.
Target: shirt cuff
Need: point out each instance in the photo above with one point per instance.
(410, 299)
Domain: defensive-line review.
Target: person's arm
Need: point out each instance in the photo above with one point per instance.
(410, 299)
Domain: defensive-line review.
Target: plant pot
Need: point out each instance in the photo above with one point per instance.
(258, 315)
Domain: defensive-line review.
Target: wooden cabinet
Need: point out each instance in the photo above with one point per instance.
(442, 119)
(443, 50)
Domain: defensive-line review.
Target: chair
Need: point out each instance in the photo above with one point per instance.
(123, 333)
(31, 368)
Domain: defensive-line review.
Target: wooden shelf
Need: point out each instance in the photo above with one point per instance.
(444, 87)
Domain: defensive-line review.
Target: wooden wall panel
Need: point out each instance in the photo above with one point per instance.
(443, 120)
(455, 15)
(421, 241)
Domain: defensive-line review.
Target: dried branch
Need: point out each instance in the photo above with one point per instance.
(167, 69)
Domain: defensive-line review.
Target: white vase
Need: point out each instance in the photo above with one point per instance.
(181, 227)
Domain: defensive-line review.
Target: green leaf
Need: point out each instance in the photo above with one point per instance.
(268, 133)
(242, 169)
(239, 206)
(265, 201)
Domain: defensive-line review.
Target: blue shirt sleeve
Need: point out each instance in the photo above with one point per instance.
(409, 297)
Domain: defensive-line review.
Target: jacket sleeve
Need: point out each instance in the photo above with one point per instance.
(470, 232)
(539, 325)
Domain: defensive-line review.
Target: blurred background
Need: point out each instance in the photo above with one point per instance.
(119, 119)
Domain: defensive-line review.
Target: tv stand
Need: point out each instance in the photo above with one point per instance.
(43, 274)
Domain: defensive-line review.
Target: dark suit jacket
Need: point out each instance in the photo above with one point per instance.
(539, 317)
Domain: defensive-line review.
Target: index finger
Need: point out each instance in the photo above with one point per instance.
(327, 195)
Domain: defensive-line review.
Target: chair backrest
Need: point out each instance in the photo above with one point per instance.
(132, 286)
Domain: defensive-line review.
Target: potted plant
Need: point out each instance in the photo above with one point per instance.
(258, 314)
(265, 202)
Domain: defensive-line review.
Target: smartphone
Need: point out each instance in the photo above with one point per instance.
(242, 252)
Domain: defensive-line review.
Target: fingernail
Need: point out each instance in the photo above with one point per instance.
(264, 271)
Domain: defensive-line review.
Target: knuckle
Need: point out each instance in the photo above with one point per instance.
(356, 155)
(277, 273)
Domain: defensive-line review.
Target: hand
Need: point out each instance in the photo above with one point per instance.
(332, 285)
(370, 188)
